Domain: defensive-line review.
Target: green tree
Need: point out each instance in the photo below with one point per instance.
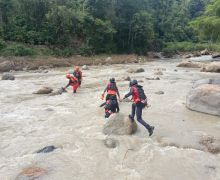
(208, 25)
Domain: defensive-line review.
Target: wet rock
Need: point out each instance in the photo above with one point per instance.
(5, 66)
(212, 67)
(211, 144)
(110, 143)
(49, 109)
(8, 76)
(85, 67)
(215, 56)
(206, 81)
(205, 52)
(156, 78)
(204, 98)
(154, 55)
(159, 92)
(47, 149)
(158, 72)
(31, 173)
(119, 124)
(127, 78)
(197, 54)
(58, 92)
(190, 64)
(139, 70)
(188, 56)
(44, 90)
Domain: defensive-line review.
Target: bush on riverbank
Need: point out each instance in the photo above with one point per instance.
(172, 48)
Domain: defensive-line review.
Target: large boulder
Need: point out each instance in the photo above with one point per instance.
(212, 67)
(6, 66)
(8, 76)
(205, 52)
(119, 124)
(205, 98)
(44, 90)
(190, 64)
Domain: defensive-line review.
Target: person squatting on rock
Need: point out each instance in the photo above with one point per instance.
(112, 91)
(139, 102)
(110, 106)
(73, 81)
(78, 74)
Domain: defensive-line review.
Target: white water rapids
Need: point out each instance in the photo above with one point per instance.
(74, 123)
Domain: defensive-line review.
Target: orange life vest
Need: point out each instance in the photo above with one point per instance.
(112, 89)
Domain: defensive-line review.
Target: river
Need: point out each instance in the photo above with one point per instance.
(74, 123)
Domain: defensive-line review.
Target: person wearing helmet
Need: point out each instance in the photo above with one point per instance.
(110, 106)
(111, 89)
(78, 74)
(139, 102)
(73, 81)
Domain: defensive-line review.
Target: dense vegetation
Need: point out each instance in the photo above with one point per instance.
(66, 27)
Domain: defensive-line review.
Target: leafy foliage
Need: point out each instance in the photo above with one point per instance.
(106, 26)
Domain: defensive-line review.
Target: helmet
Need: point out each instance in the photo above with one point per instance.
(133, 82)
(77, 68)
(112, 80)
(68, 76)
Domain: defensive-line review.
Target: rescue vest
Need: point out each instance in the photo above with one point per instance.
(138, 94)
(78, 75)
(112, 89)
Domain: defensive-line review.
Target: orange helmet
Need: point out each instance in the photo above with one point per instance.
(77, 68)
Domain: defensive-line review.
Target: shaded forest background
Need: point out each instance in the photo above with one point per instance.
(88, 27)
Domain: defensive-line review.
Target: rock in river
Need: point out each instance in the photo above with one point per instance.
(47, 149)
(139, 70)
(44, 90)
(110, 143)
(119, 124)
(212, 67)
(205, 98)
(8, 76)
(190, 64)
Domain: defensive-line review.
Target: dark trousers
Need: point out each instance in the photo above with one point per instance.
(137, 108)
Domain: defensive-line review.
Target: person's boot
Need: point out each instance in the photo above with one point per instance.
(151, 130)
(130, 116)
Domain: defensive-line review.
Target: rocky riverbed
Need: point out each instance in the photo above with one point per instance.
(185, 145)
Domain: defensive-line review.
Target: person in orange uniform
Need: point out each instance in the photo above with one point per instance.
(112, 92)
(111, 89)
(78, 74)
(139, 102)
(73, 81)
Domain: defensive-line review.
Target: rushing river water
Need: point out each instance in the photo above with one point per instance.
(74, 123)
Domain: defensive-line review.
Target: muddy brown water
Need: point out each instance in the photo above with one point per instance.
(73, 123)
